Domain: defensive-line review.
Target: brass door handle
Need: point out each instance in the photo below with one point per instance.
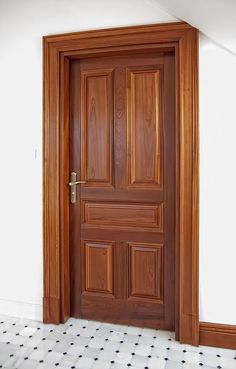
(75, 183)
(72, 184)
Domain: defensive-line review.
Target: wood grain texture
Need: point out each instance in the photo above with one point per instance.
(120, 218)
(51, 310)
(123, 216)
(189, 196)
(98, 267)
(64, 204)
(146, 272)
(144, 134)
(172, 36)
(96, 127)
(218, 335)
(74, 166)
(51, 206)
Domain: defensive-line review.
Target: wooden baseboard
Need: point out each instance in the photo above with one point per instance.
(218, 335)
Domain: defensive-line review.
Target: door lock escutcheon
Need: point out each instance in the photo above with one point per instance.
(72, 184)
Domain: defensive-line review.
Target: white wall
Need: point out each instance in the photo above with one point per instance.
(22, 25)
(218, 183)
(215, 18)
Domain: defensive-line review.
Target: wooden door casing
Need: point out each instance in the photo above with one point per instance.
(58, 51)
(123, 256)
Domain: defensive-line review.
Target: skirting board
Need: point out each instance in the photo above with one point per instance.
(20, 309)
(218, 335)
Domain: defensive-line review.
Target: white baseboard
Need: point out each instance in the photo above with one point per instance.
(21, 309)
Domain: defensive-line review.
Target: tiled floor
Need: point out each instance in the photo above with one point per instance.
(83, 344)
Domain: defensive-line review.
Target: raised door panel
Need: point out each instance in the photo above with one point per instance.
(96, 128)
(146, 272)
(123, 215)
(144, 127)
(98, 268)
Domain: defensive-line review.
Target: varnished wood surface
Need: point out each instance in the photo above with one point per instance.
(218, 335)
(143, 97)
(144, 126)
(122, 215)
(97, 267)
(96, 127)
(183, 40)
(149, 258)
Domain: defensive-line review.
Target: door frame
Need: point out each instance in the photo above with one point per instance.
(58, 50)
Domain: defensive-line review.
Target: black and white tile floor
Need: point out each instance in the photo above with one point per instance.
(82, 344)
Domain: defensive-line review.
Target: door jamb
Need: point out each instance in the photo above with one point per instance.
(58, 50)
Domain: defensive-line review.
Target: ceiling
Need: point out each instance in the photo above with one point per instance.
(215, 18)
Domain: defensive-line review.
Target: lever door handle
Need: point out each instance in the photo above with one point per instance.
(75, 183)
(72, 184)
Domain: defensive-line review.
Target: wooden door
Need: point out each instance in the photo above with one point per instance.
(122, 227)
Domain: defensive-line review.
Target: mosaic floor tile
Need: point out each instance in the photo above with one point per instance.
(83, 344)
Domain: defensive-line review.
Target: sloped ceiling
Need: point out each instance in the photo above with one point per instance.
(215, 18)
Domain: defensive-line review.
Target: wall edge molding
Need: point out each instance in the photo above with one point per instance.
(217, 335)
